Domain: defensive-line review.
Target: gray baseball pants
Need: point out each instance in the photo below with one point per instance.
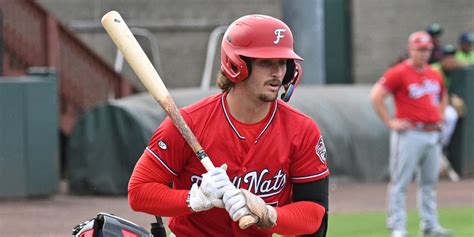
(413, 152)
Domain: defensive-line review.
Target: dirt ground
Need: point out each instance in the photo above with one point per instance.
(58, 214)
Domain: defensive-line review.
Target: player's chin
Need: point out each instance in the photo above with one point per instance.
(268, 97)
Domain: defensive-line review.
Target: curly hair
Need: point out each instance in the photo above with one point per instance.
(224, 82)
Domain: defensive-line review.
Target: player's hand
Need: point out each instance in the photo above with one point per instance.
(399, 125)
(241, 202)
(235, 204)
(209, 194)
(214, 182)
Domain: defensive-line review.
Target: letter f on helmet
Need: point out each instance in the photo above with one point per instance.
(279, 35)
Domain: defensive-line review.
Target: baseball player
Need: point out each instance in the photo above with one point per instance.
(271, 158)
(420, 98)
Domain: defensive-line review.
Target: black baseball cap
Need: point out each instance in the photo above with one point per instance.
(434, 29)
(466, 37)
(449, 49)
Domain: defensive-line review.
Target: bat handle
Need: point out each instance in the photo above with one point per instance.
(205, 160)
(245, 221)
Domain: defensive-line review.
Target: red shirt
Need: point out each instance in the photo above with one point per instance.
(417, 93)
(288, 149)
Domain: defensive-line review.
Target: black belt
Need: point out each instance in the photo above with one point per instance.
(428, 127)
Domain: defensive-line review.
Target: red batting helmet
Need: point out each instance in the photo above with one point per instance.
(257, 36)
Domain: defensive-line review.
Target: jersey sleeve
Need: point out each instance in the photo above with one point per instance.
(169, 148)
(148, 190)
(292, 215)
(390, 80)
(309, 161)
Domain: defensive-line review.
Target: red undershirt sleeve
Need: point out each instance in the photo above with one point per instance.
(303, 217)
(148, 190)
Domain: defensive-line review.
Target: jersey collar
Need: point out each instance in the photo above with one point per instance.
(234, 128)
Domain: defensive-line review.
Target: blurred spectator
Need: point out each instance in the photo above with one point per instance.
(435, 31)
(447, 63)
(452, 111)
(465, 54)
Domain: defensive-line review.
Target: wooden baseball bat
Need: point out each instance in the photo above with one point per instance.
(119, 32)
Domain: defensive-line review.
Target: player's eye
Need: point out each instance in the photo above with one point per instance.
(282, 62)
(265, 63)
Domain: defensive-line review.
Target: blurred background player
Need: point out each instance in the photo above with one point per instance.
(465, 54)
(435, 31)
(274, 155)
(420, 98)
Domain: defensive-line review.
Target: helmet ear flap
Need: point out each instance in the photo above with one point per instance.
(291, 84)
(234, 67)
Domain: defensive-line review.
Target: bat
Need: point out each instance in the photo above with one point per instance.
(121, 35)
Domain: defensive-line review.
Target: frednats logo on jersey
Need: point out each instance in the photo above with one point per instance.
(321, 150)
(261, 183)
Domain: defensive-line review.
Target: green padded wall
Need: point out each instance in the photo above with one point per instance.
(28, 136)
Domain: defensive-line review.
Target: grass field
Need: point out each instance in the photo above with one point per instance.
(461, 220)
(372, 224)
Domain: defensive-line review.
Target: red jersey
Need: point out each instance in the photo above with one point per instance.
(288, 149)
(417, 93)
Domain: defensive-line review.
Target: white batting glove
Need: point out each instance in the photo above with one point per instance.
(197, 201)
(209, 194)
(241, 203)
(235, 204)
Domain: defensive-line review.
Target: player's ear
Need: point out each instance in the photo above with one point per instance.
(248, 62)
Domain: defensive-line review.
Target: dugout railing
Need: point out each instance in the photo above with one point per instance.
(34, 38)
